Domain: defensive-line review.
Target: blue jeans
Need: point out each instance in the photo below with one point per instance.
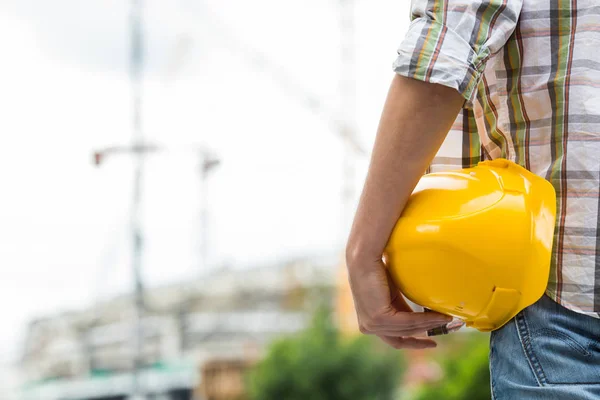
(546, 352)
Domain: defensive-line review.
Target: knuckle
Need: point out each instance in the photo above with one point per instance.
(374, 322)
(363, 329)
(385, 318)
(368, 327)
(378, 319)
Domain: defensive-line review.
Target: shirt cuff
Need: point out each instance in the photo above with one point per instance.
(431, 52)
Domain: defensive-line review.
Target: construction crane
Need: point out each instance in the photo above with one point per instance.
(137, 59)
(341, 118)
(137, 150)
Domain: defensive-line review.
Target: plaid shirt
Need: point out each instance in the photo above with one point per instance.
(529, 71)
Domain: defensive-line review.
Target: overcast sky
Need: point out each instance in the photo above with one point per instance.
(64, 91)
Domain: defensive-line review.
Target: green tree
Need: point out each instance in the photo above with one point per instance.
(466, 372)
(319, 364)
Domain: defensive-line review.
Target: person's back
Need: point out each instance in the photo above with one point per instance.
(529, 74)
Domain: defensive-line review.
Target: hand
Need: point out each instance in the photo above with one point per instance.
(382, 311)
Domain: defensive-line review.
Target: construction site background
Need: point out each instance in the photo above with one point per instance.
(179, 179)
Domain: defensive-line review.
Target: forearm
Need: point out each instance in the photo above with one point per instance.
(415, 120)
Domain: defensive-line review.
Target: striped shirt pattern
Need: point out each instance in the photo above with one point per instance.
(529, 71)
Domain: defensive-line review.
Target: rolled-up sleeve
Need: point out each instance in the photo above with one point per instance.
(450, 41)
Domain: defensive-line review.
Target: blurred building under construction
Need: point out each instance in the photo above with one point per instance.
(198, 335)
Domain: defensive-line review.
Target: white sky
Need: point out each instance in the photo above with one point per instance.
(64, 92)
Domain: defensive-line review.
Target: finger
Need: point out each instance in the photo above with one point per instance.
(422, 331)
(399, 321)
(389, 315)
(416, 318)
(398, 332)
(408, 342)
(394, 326)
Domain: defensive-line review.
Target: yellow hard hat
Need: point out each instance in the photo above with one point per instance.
(475, 243)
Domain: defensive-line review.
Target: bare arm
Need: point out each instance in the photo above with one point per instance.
(415, 120)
